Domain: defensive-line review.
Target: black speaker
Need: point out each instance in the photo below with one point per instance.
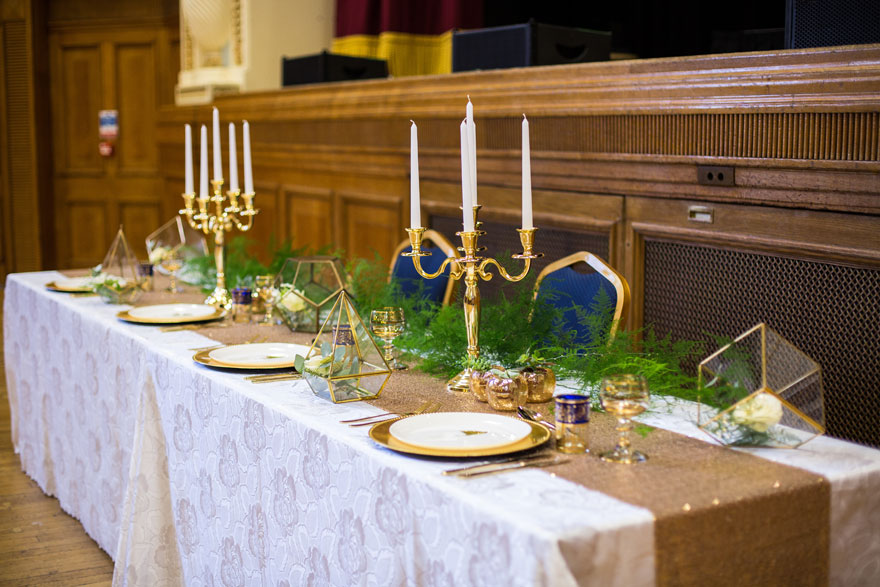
(825, 23)
(528, 44)
(329, 67)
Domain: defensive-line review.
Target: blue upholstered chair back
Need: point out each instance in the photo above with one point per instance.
(411, 283)
(600, 291)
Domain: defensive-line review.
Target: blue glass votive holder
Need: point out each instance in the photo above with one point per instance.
(241, 304)
(573, 423)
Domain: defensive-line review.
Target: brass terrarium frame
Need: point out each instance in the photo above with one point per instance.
(802, 371)
(346, 329)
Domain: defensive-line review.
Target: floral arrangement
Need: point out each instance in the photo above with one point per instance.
(113, 288)
(329, 363)
(160, 254)
(753, 421)
(516, 330)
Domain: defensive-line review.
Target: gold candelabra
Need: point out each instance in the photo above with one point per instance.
(473, 268)
(220, 219)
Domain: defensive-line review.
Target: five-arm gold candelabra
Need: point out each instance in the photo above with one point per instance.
(472, 268)
(220, 219)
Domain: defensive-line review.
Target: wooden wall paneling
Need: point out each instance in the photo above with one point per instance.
(95, 67)
(5, 195)
(595, 213)
(87, 234)
(369, 224)
(308, 216)
(23, 183)
(825, 237)
(136, 151)
(813, 277)
(139, 219)
(265, 229)
(77, 98)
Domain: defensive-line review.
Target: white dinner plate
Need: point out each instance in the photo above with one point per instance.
(71, 284)
(263, 355)
(173, 311)
(463, 431)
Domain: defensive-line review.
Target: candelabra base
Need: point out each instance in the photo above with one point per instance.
(461, 383)
(220, 298)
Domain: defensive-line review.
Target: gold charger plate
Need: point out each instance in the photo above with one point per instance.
(204, 358)
(380, 433)
(53, 286)
(127, 317)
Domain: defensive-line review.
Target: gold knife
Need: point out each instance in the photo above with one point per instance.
(508, 465)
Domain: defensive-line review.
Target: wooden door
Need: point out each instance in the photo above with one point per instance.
(128, 69)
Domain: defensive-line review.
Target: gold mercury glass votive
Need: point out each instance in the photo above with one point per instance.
(540, 384)
(505, 392)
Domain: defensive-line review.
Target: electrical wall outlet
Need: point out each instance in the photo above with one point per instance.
(715, 175)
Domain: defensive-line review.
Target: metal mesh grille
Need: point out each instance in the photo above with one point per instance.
(823, 23)
(502, 240)
(831, 312)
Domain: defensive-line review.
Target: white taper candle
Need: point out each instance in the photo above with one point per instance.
(472, 149)
(218, 167)
(526, 176)
(233, 160)
(203, 163)
(248, 174)
(467, 207)
(415, 211)
(188, 159)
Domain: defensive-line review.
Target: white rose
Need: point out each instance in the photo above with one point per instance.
(759, 413)
(317, 364)
(293, 301)
(158, 254)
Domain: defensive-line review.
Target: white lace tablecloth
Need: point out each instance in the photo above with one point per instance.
(186, 475)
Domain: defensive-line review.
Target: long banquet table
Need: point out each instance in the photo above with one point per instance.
(187, 475)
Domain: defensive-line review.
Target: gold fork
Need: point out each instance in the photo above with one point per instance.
(427, 408)
(270, 377)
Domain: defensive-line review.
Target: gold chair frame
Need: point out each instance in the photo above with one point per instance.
(443, 243)
(621, 287)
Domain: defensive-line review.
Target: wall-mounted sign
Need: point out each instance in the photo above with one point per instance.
(108, 126)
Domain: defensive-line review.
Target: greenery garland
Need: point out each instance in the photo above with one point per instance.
(516, 329)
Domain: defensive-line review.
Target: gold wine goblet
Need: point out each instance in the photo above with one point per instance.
(269, 294)
(172, 262)
(625, 396)
(387, 323)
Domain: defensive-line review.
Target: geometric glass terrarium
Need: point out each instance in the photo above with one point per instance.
(308, 287)
(761, 390)
(116, 279)
(170, 246)
(344, 363)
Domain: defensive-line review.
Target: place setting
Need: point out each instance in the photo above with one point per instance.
(74, 285)
(274, 360)
(177, 313)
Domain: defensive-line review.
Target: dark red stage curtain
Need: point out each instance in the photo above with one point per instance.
(423, 17)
